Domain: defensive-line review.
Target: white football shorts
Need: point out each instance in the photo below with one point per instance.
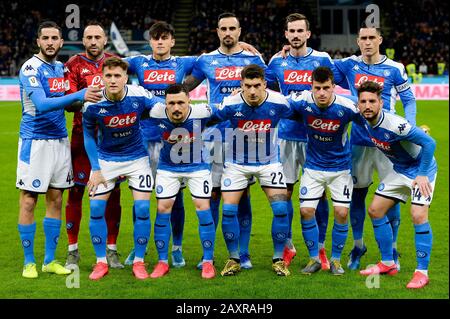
(313, 183)
(44, 164)
(292, 155)
(168, 184)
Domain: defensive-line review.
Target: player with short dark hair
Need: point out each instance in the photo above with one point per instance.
(81, 71)
(119, 151)
(222, 70)
(392, 76)
(44, 165)
(328, 163)
(414, 174)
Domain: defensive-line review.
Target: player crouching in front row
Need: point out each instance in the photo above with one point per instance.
(414, 174)
(182, 158)
(119, 152)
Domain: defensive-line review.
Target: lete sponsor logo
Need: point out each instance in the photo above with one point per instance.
(121, 120)
(159, 76)
(297, 77)
(178, 138)
(56, 85)
(95, 80)
(255, 125)
(385, 146)
(361, 78)
(231, 73)
(324, 125)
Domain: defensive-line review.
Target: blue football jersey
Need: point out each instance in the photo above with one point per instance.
(406, 146)
(156, 76)
(38, 75)
(389, 74)
(294, 75)
(119, 136)
(328, 147)
(252, 134)
(223, 73)
(183, 148)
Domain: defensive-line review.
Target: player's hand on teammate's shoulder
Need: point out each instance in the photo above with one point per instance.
(285, 51)
(248, 47)
(235, 91)
(95, 180)
(93, 94)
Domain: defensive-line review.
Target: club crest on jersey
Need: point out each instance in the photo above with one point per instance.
(254, 125)
(361, 78)
(56, 85)
(121, 120)
(272, 112)
(340, 113)
(159, 76)
(95, 80)
(135, 105)
(297, 76)
(316, 64)
(386, 73)
(324, 125)
(231, 73)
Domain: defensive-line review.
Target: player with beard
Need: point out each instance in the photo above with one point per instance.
(222, 70)
(44, 162)
(292, 74)
(81, 71)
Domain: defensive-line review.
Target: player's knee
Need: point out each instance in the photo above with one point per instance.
(341, 213)
(142, 209)
(27, 204)
(374, 212)
(307, 212)
(202, 204)
(419, 214)
(165, 205)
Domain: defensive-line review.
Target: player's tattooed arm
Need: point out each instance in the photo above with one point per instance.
(191, 82)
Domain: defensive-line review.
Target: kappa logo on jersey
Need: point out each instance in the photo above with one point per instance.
(238, 114)
(56, 84)
(121, 120)
(380, 144)
(84, 70)
(102, 111)
(231, 73)
(324, 125)
(95, 80)
(178, 138)
(361, 78)
(298, 76)
(159, 76)
(254, 125)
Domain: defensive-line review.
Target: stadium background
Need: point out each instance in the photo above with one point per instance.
(414, 34)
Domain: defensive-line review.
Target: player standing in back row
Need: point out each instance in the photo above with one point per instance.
(81, 71)
(44, 163)
(222, 70)
(372, 66)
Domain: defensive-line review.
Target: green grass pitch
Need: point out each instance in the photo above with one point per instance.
(186, 283)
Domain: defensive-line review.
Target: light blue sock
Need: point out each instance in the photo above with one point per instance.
(230, 228)
(424, 241)
(97, 226)
(162, 235)
(383, 235)
(310, 232)
(207, 233)
(322, 214)
(280, 227)
(27, 233)
(245, 224)
(393, 216)
(52, 229)
(338, 238)
(142, 227)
